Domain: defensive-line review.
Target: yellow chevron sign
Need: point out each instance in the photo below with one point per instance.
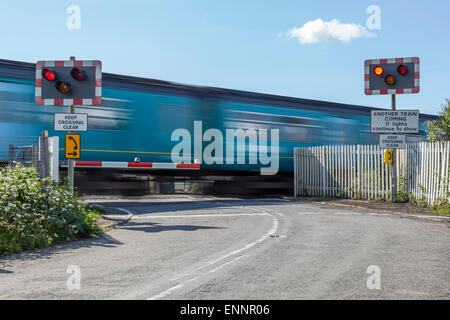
(73, 146)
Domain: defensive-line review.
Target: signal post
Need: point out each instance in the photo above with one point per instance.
(394, 160)
(393, 76)
(69, 83)
(70, 164)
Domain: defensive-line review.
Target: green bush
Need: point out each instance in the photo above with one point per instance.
(439, 129)
(195, 189)
(442, 206)
(37, 212)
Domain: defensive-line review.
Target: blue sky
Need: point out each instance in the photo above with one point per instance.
(239, 44)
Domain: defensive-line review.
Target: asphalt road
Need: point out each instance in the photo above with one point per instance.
(182, 247)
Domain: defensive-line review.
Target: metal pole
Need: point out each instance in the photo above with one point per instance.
(394, 160)
(70, 167)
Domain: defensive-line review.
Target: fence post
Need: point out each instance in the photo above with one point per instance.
(11, 155)
(358, 173)
(295, 173)
(324, 171)
(34, 156)
(43, 162)
(54, 158)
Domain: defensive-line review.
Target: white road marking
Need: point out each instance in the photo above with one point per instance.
(227, 263)
(378, 214)
(248, 246)
(130, 215)
(329, 213)
(436, 218)
(267, 235)
(310, 213)
(412, 292)
(252, 244)
(167, 292)
(199, 215)
(347, 213)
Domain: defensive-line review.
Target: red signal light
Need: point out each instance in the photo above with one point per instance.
(48, 74)
(78, 74)
(63, 87)
(402, 69)
(378, 70)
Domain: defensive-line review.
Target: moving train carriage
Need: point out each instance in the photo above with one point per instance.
(138, 116)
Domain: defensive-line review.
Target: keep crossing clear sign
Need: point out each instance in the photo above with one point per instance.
(393, 141)
(71, 122)
(394, 121)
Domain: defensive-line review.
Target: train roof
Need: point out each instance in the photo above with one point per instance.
(26, 69)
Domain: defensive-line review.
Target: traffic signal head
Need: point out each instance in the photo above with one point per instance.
(48, 75)
(378, 70)
(390, 80)
(402, 69)
(78, 74)
(63, 87)
(391, 76)
(68, 82)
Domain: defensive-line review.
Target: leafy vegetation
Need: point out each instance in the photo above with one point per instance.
(402, 194)
(442, 206)
(439, 129)
(195, 188)
(37, 212)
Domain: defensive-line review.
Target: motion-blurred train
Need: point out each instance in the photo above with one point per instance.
(137, 117)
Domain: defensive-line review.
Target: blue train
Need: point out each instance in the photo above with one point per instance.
(138, 118)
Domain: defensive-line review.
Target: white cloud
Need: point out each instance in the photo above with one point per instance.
(317, 31)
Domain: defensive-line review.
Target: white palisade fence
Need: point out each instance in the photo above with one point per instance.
(359, 171)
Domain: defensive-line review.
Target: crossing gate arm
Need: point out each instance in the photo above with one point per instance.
(136, 165)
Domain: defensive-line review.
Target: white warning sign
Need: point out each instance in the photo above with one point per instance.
(71, 122)
(398, 121)
(392, 141)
